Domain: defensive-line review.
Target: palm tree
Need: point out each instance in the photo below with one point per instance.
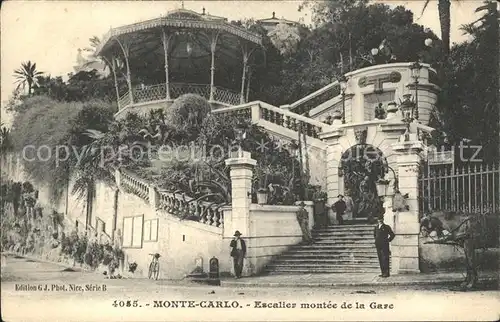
(444, 21)
(113, 65)
(27, 75)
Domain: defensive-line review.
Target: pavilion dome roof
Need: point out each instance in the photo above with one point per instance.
(179, 19)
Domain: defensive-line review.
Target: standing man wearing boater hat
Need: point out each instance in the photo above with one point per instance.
(303, 219)
(238, 251)
(339, 207)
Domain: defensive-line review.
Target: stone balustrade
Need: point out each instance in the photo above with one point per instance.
(182, 206)
(259, 111)
(134, 185)
(305, 104)
(177, 205)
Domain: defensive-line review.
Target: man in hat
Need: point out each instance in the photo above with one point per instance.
(238, 251)
(303, 219)
(339, 207)
(383, 235)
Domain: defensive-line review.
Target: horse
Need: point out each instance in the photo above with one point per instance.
(469, 231)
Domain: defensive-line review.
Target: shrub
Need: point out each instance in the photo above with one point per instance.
(55, 124)
(187, 113)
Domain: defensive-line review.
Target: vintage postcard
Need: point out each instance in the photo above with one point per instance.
(250, 160)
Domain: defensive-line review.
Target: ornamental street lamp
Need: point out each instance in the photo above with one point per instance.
(241, 135)
(415, 74)
(343, 87)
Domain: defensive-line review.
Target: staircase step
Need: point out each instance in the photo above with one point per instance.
(318, 266)
(335, 246)
(320, 256)
(322, 270)
(336, 251)
(344, 236)
(324, 262)
(343, 242)
(346, 229)
(331, 271)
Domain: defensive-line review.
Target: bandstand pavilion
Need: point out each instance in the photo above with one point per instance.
(178, 53)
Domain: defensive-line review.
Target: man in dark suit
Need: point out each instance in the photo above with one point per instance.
(339, 207)
(383, 235)
(238, 251)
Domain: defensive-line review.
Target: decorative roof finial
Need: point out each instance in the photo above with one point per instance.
(274, 15)
(203, 10)
(182, 4)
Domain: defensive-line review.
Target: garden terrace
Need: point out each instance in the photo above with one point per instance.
(190, 43)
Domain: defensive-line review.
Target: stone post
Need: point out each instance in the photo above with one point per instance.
(117, 178)
(241, 184)
(405, 254)
(154, 199)
(334, 181)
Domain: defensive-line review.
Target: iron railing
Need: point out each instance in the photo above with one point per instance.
(470, 188)
(151, 93)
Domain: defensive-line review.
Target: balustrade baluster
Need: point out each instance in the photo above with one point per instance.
(309, 129)
(209, 216)
(264, 113)
(203, 215)
(217, 218)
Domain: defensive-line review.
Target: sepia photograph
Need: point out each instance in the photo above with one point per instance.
(305, 160)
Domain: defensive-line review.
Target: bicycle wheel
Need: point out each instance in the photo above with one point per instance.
(157, 270)
(151, 269)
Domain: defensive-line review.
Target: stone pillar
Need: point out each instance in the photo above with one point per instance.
(117, 178)
(334, 181)
(241, 184)
(154, 199)
(405, 254)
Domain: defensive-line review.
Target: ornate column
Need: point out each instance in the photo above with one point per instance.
(405, 254)
(166, 41)
(116, 80)
(213, 45)
(125, 48)
(112, 66)
(241, 182)
(248, 83)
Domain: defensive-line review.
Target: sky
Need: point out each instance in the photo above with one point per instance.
(50, 32)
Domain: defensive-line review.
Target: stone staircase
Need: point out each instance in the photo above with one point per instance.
(336, 249)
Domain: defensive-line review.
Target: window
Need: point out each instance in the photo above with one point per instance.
(132, 231)
(151, 230)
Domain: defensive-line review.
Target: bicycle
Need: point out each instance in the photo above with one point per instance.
(154, 267)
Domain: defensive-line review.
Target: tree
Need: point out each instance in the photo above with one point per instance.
(27, 75)
(444, 21)
(285, 38)
(468, 102)
(348, 30)
(42, 122)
